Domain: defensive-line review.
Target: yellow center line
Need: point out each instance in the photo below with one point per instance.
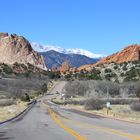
(69, 130)
(130, 136)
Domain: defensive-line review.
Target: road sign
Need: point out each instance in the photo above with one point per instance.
(108, 104)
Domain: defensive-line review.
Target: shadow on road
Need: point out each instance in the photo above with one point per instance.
(86, 114)
(3, 136)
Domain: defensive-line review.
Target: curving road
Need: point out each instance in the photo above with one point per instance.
(47, 121)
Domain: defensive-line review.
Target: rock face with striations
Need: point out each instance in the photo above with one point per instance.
(15, 48)
(130, 53)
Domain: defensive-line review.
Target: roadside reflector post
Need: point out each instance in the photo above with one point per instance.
(108, 105)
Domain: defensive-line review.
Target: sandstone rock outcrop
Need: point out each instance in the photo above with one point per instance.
(15, 48)
(65, 67)
(130, 53)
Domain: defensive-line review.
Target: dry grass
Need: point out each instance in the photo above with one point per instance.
(120, 108)
(122, 112)
(8, 112)
(78, 100)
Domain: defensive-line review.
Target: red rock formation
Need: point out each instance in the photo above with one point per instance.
(15, 48)
(130, 53)
(65, 67)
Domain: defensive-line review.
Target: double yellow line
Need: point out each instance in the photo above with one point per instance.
(108, 130)
(78, 136)
(69, 130)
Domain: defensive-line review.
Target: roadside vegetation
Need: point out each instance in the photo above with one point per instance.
(23, 88)
(22, 82)
(127, 71)
(19, 85)
(94, 94)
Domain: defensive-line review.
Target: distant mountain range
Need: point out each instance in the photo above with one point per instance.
(54, 58)
(44, 48)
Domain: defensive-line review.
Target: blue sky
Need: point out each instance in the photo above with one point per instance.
(100, 26)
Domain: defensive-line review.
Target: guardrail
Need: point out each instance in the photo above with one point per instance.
(30, 105)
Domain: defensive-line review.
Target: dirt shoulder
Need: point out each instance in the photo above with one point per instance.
(122, 112)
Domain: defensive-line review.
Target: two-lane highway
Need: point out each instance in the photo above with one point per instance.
(47, 121)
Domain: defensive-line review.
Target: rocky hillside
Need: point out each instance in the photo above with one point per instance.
(130, 53)
(53, 58)
(18, 69)
(127, 71)
(15, 48)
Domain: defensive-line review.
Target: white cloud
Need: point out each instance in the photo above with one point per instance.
(43, 48)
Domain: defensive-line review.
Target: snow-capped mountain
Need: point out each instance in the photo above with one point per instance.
(44, 48)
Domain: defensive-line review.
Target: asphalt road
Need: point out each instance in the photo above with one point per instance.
(47, 121)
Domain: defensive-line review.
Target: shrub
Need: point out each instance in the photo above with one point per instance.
(110, 75)
(93, 76)
(27, 74)
(108, 70)
(53, 75)
(131, 74)
(135, 106)
(124, 68)
(125, 63)
(75, 102)
(95, 71)
(44, 88)
(122, 74)
(93, 104)
(25, 98)
(68, 76)
(115, 67)
(136, 62)
(120, 101)
(7, 69)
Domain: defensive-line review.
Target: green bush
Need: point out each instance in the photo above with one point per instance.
(122, 74)
(68, 76)
(93, 76)
(136, 62)
(53, 75)
(124, 68)
(115, 67)
(110, 75)
(25, 98)
(95, 71)
(132, 74)
(7, 69)
(108, 70)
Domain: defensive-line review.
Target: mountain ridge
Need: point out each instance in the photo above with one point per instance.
(129, 53)
(54, 58)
